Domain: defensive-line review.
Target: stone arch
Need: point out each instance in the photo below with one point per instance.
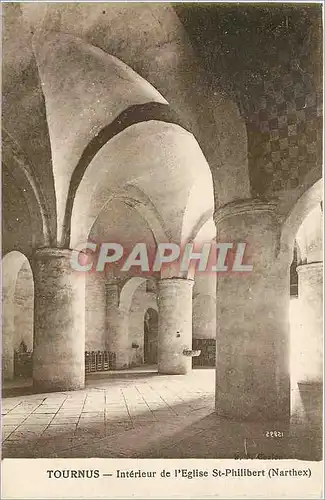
(131, 158)
(204, 232)
(133, 197)
(90, 96)
(131, 116)
(305, 204)
(21, 172)
(136, 198)
(128, 291)
(204, 229)
(125, 319)
(140, 303)
(17, 307)
(306, 305)
(309, 237)
(199, 207)
(146, 219)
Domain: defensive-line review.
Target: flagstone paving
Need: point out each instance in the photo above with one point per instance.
(53, 424)
(140, 414)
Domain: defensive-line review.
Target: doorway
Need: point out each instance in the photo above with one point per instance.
(150, 329)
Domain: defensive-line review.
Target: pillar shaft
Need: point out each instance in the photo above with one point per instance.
(252, 381)
(310, 286)
(59, 322)
(8, 333)
(117, 327)
(204, 306)
(174, 325)
(95, 312)
(7, 352)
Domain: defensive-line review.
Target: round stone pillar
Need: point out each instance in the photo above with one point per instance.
(204, 306)
(117, 327)
(310, 286)
(8, 332)
(252, 374)
(59, 322)
(174, 325)
(204, 319)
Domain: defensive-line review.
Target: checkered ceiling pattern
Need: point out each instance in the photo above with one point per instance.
(284, 133)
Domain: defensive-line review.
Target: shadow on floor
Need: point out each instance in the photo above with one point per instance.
(17, 387)
(188, 429)
(24, 387)
(214, 437)
(187, 433)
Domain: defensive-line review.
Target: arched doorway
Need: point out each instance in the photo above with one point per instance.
(150, 336)
(18, 316)
(301, 240)
(304, 237)
(306, 301)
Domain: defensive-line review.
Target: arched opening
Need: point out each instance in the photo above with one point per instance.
(306, 301)
(150, 330)
(302, 238)
(143, 300)
(18, 316)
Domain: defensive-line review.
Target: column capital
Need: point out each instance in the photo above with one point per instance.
(175, 281)
(240, 207)
(112, 281)
(310, 267)
(52, 253)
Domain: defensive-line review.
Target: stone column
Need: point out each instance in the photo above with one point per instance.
(174, 325)
(307, 401)
(252, 379)
(8, 325)
(117, 326)
(204, 319)
(59, 322)
(310, 286)
(204, 306)
(95, 319)
(8, 333)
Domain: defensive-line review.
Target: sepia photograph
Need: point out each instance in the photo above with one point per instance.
(162, 239)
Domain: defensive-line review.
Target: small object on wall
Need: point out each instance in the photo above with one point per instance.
(190, 353)
(135, 345)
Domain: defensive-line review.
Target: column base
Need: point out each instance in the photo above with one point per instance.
(120, 367)
(52, 386)
(7, 373)
(251, 409)
(162, 371)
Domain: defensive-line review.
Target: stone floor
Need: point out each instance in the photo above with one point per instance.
(136, 413)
